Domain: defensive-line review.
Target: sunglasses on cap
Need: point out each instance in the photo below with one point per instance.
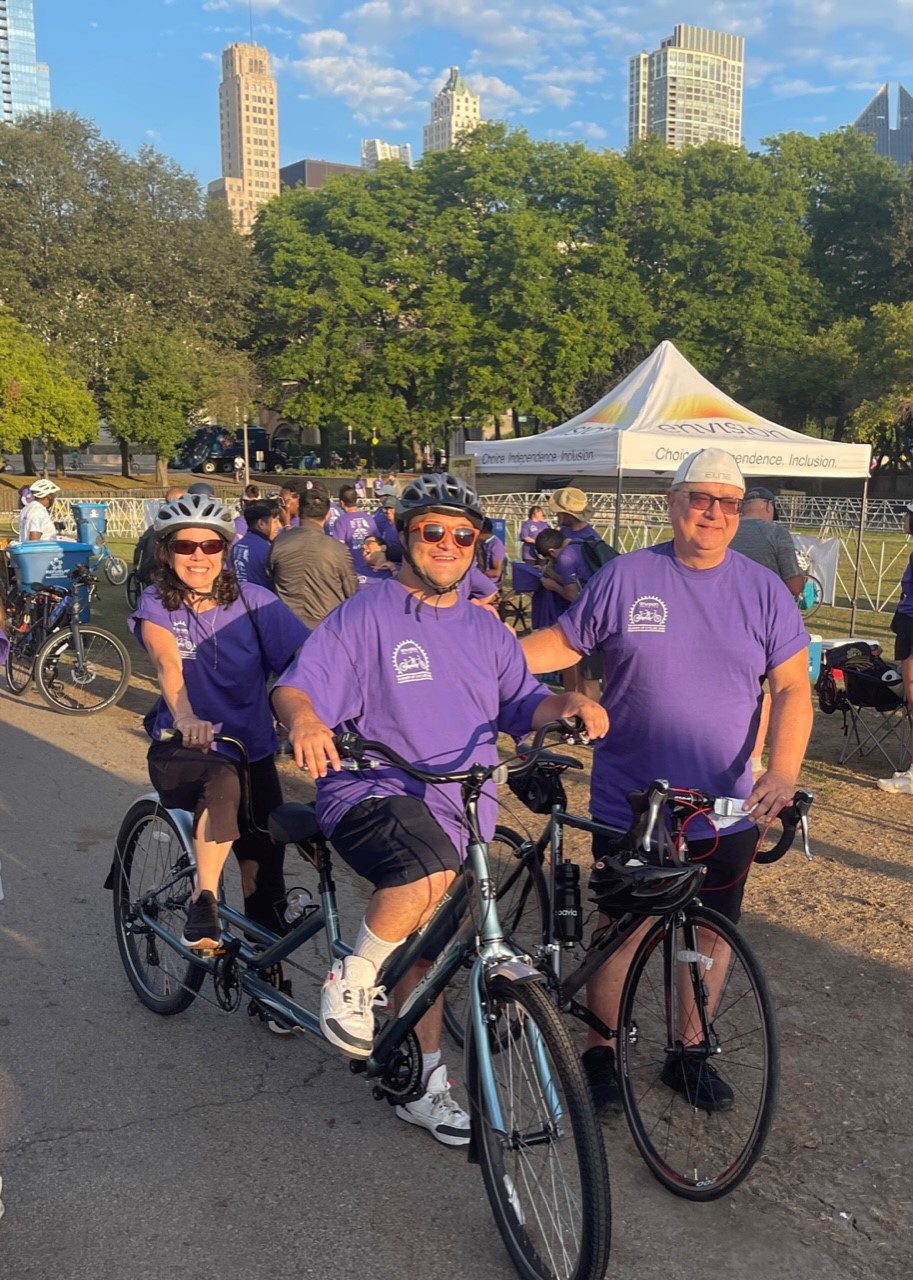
(186, 547)
(463, 535)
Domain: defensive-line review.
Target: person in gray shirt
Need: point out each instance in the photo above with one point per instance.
(311, 572)
(763, 540)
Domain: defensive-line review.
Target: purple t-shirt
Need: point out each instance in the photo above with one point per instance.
(240, 528)
(476, 585)
(547, 607)
(493, 552)
(529, 529)
(436, 685)
(352, 528)
(685, 653)
(227, 658)
(570, 564)
(329, 525)
(249, 557)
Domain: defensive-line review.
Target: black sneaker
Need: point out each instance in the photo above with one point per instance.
(273, 1022)
(698, 1081)
(202, 929)
(599, 1069)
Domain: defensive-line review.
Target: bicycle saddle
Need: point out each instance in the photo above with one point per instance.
(294, 824)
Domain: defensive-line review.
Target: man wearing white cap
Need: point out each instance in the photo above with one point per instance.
(688, 631)
(35, 523)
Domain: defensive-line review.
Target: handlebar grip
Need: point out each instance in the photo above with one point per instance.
(791, 817)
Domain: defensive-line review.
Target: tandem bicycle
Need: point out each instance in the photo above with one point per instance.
(534, 1132)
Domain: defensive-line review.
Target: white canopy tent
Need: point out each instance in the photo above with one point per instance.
(657, 416)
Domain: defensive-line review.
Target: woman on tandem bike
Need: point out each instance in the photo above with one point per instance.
(214, 647)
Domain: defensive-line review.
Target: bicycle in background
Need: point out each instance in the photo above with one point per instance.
(534, 1132)
(79, 668)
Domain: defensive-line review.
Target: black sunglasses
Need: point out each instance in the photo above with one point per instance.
(185, 547)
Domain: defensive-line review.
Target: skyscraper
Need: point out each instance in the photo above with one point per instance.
(373, 151)
(896, 144)
(689, 90)
(24, 82)
(453, 111)
(249, 128)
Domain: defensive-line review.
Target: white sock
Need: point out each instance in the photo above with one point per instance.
(370, 947)
(430, 1063)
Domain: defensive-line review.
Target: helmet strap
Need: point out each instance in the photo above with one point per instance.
(432, 587)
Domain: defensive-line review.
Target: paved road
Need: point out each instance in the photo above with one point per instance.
(135, 1147)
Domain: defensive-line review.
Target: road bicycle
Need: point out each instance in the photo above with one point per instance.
(533, 1132)
(811, 596)
(79, 668)
(674, 1017)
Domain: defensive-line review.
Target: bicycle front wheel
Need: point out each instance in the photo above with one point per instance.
(522, 897)
(116, 570)
(82, 686)
(133, 589)
(811, 596)
(539, 1145)
(20, 662)
(154, 868)
(699, 1054)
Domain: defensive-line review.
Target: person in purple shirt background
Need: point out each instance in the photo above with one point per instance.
(377, 567)
(415, 665)
(491, 553)
(688, 630)
(569, 573)
(251, 494)
(214, 644)
(353, 525)
(548, 601)
(529, 529)
(902, 626)
(289, 498)
(249, 554)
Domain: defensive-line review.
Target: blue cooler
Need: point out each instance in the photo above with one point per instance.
(814, 656)
(49, 563)
(91, 521)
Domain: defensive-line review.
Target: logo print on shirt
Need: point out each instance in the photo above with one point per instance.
(410, 662)
(186, 647)
(647, 613)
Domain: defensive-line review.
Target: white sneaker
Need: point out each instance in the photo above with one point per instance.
(901, 784)
(347, 1003)
(437, 1112)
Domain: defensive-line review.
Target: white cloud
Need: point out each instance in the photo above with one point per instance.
(209, 57)
(556, 96)
(494, 92)
(317, 42)
(798, 88)
(588, 129)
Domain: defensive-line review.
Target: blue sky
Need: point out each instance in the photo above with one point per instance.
(148, 70)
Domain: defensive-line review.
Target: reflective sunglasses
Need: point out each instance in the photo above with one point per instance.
(463, 535)
(704, 501)
(185, 547)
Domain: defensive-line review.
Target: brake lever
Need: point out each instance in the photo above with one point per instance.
(803, 803)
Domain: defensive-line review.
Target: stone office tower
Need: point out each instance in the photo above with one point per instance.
(454, 110)
(249, 129)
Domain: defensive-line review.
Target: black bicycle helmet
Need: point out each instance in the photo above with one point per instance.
(626, 883)
(441, 492)
(195, 511)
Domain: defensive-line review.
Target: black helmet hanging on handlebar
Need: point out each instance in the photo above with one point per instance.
(623, 882)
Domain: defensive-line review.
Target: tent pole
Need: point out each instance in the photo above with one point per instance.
(616, 532)
(862, 515)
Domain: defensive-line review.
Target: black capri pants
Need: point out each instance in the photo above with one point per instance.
(198, 781)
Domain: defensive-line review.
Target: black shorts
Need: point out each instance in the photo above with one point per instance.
(727, 866)
(197, 781)
(393, 840)
(592, 665)
(902, 626)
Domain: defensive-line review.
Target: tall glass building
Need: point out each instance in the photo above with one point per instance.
(24, 82)
(689, 90)
(897, 143)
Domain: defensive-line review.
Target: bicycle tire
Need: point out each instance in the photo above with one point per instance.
(116, 570)
(811, 596)
(149, 850)
(696, 1153)
(545, 1173)
(522, 898)
(82, 688)
(20, 663)
(133, 589)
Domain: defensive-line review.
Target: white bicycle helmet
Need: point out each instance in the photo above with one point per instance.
(44, 488)
(442, 492)
(195, 511)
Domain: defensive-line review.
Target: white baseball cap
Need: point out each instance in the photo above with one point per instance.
(710, 466)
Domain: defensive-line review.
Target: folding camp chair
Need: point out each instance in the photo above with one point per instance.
(876, 717)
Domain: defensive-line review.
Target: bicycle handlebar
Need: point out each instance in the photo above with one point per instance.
(356, 749)
(686, 801)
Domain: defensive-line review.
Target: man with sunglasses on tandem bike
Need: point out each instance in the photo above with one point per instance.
(414, 664)
(689, 631)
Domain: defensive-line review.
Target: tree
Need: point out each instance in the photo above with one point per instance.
(38, 398)
(99, 246)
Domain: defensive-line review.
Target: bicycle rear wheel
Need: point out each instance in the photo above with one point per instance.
(522, 896)
(697, 1152)
(811, 596)
(153, 866)
(116, 570)
(133, 588)
(82, 687)
(20, 662)
(543, 1160)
